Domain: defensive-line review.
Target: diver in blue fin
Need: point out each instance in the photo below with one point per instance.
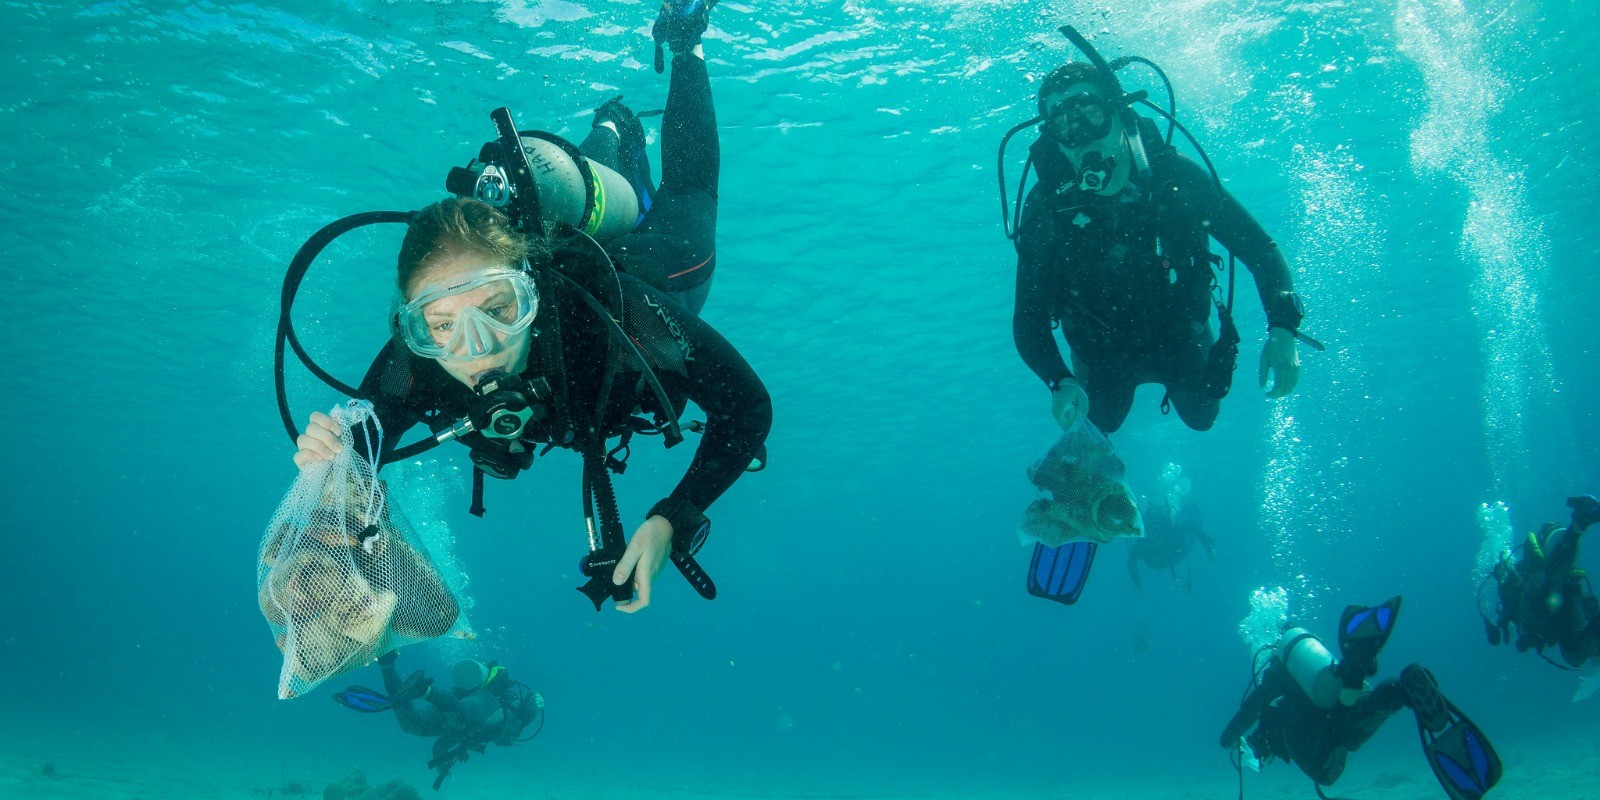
(1312, 710)
(484, 707)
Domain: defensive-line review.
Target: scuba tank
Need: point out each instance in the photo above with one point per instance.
(1311, 666)
(572, 188)
(480, 709)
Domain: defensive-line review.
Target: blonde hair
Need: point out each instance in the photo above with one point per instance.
(458, 227)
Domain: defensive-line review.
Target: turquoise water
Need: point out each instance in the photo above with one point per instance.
(1427, 165)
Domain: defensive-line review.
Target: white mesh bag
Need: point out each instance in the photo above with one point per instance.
(1085, 492)
(342, 577)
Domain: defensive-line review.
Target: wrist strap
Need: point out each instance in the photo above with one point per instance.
(689, 524)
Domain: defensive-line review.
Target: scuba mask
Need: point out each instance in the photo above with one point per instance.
(469, 317)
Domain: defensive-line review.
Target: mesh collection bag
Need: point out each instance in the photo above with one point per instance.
(1086, 496)
(342, 577)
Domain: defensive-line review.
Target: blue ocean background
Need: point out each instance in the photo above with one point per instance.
(1428, 166)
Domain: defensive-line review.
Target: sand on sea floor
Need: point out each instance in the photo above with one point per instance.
(163, 768)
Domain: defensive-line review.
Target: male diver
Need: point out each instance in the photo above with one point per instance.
(483, 707)
(1545, 596)
(1114, 246)
(553, 303)
(1311, 710)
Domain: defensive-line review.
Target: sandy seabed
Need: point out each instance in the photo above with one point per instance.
(161, 768)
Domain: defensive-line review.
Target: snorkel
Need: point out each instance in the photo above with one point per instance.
(1123, 102)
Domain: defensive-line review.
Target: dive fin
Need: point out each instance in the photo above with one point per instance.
(679, 25)
(1363, 631)
(1060, 573)
(367, 701)
(1588, 681)
(633, 157)
(1459, 754)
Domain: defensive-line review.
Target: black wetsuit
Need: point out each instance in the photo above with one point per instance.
(1165, 542)
(672, 250)
(1292, 728)
(1129, 279)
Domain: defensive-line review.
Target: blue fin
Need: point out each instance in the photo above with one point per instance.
(367, 701)
(1363, 631)
(1060, 573)
(1459, 754)
(1462, 758)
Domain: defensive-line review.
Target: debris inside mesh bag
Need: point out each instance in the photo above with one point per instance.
(342, 576)
(1086, 496)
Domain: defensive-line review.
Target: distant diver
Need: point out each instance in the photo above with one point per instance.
(483, 707)
(553, 303)
(1311, 710)
(1114, 247)
(1171, 524)
(1543, 599)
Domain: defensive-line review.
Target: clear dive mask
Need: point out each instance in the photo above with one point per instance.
(488, 306)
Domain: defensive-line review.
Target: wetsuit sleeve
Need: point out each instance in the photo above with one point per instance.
(388, 383)
(1036, 292)
(1272, 687)
(738, 409)
(1238, 231)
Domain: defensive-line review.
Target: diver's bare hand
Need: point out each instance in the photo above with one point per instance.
(319, 443)
(1069, 403)
(646, 554)
(1281, 358)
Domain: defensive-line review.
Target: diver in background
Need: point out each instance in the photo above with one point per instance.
(487, 334)
(1114, 245)
(1168, 530)
(484, 706)
(1309, 709)
(1543, 593)
(1165, 544)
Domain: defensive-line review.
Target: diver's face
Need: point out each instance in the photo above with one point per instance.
(1090, 134)
(510, 351)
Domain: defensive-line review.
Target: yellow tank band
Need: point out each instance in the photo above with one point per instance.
(597, 212)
